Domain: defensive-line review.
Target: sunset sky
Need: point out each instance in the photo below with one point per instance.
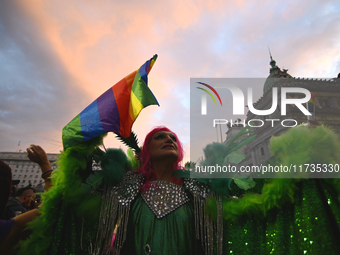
(57, 56)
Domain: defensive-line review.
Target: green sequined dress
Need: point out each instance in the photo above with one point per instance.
(310, 225)
(164, 219)
(172, 234)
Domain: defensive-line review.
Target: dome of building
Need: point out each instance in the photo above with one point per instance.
(274, 73)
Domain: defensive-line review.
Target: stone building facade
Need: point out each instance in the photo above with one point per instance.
(24, 170)
(327, 110)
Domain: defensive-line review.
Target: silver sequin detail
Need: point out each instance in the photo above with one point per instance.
(129, 187)
(115, 209)
(116, 201)
(206, 228)
(147, 249)
(197, 188)
(164, 197)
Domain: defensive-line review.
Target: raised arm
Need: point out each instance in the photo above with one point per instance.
(37, 154)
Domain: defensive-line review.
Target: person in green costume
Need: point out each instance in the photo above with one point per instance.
(143, 211)
(152, 227)
(277, 216)
(157, 216)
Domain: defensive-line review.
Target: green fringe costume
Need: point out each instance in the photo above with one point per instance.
(276, 216)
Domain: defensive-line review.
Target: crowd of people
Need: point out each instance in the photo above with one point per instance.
(22, 201)
(146, 209)
(18, 209)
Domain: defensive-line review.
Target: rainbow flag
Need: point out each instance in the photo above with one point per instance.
(114, 111)
(311, 107)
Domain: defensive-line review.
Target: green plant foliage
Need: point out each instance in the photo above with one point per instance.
(219, 154)
(131, 142)
(190, 175)
(234, 157)
(245, 183)
(190, 165)
(133, 159)
(238, 145)
(218, 185)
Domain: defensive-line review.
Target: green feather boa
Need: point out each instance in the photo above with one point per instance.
(66, 189)
(300, 145)
(297, 146)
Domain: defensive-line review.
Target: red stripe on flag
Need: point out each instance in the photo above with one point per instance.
(122, 93)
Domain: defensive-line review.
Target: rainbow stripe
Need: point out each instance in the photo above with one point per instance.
(210, 87)
(114, 111)
(311, 103)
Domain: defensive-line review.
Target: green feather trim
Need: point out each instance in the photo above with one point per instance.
(133, 159)
(94, 180)
(114, 164)
(303, 145)
(274, 194)
(299, 145)
(219, 154)
(218, 184)
(66, 191)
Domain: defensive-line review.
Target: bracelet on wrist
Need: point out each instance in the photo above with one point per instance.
(46, 174)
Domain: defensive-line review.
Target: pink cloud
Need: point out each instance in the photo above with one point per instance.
(97, 43)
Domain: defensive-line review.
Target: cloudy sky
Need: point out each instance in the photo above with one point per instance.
(57, 56)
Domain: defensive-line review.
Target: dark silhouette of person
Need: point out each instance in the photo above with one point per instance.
(20, 203)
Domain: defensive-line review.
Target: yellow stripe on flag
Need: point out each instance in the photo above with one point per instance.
(135, 106)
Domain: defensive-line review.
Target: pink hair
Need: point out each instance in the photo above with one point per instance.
(145, 158)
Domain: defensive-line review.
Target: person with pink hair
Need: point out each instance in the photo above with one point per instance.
(162, 226)
(135, 210)
(161, 154)
(158, 213)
